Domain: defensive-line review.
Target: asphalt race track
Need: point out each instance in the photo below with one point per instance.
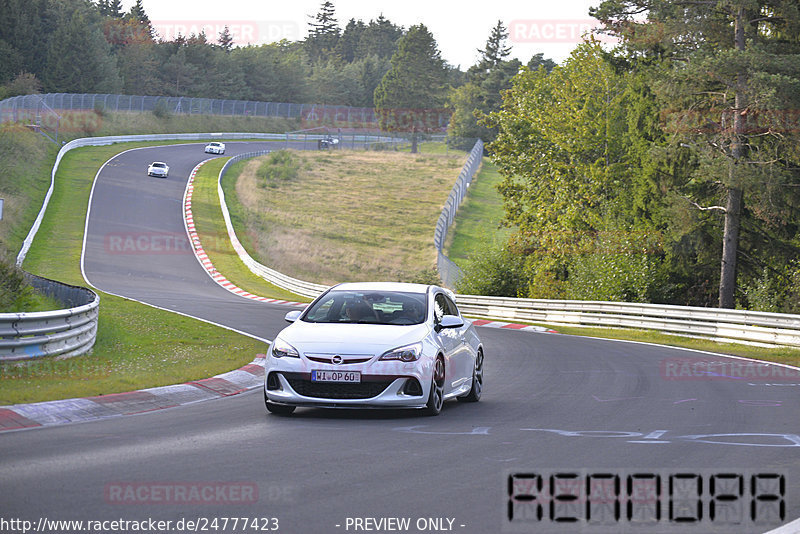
(552, 405)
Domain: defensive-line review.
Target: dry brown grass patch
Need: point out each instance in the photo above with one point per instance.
(349, 215)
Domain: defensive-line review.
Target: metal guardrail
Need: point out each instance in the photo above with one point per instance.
(71, 331)
(109, 140)
(714, 323)
(64, 333)
(449, 271)
(742, 326)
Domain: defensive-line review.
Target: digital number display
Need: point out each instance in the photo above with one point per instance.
(602, 500)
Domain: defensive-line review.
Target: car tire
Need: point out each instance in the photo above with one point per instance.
(474, 394)
(436, 395)
(277, 409)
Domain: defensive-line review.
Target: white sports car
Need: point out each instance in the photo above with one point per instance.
(215, 148)
(379, 345)
(158, 168)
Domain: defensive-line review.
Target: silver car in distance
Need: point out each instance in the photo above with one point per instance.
(158, 168)
(375, 345)
(215, 148)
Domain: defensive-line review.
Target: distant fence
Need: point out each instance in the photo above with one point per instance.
(449, 271)
(16, 108)
(66, 332)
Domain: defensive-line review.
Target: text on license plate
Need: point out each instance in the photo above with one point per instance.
(335, 376)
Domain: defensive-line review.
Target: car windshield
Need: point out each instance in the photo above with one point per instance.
(159, 165)
(368, 307)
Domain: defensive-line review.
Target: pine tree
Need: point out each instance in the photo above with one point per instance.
(481, 95)
(492, 54)
(103, 7)
(137, 13)
(379, 38)
(728, 71)
(225, 39)
(323, 33)
(411, 96)
(80, 59)
(348, 44)
(115, 9)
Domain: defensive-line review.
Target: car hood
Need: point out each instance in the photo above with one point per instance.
(351, 338)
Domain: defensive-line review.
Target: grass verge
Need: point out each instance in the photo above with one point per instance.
(346, 215)
(137, 346)
(785, 355)
(213, 234)
(477, 222)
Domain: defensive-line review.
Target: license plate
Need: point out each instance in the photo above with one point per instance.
(335, 376)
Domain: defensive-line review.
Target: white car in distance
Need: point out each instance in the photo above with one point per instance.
(158, 168)
(215, 148)
(375, 345)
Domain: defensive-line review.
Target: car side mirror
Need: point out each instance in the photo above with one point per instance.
(292, 316)
(449, 321)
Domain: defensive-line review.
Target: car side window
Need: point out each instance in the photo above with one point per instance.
(451, 306)
(440, 307)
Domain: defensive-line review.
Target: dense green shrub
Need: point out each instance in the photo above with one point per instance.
(280, 166)
(493, 270)
(773, 291)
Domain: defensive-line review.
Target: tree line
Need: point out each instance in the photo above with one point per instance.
(76, 46)
(665, 170)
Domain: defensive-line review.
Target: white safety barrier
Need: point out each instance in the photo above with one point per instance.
(299, 287)
(713, 323)
(760, 328)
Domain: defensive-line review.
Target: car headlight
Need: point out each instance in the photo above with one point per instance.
(281, 349)
(408, 353)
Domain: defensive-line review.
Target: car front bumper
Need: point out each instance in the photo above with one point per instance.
(400, 386)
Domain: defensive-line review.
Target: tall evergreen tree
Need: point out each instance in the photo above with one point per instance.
(115, 9)
(137, 12)
(494, 52)
(379, 38)
(225, 39)
(734, 72)
(348, 44)
(80, 59)
(323, 33)
(411, 96)
(103, 7)
(482, 94)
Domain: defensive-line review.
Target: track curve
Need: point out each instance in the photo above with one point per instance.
(551, 402)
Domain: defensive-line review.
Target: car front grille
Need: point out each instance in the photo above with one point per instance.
(338, 390)
(346, 360)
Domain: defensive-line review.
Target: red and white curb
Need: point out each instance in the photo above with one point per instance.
(38, 414)
(251, 376)
(201, 254)
(512, 326)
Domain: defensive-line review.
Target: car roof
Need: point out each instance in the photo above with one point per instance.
(404, 287)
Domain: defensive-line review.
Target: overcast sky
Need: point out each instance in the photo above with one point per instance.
(460, 28)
